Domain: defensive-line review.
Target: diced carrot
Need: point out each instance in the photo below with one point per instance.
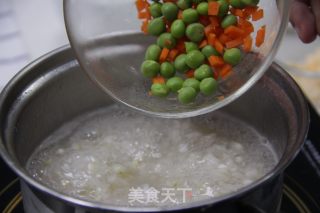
(225, 70)
(215, 74)
(211, 39)
(260, 36)
(214, 20)
(247, 43)
(144, 26)
(249, 29)
(194, 6)
(223, 38)
(208, 30)
(248, 11)
(216, 61)
(232, 10)
(213, 9)
(168, 24)
(140, 4)
(234, 32)
(164, 54)
(204, 20)
(234, 43)
(244, 23)
(246, 26)
(181, 46)
(173, 54)
(180, 14)
(237, 12)
(144, 14)
(158, 79)
(219, 47)
(218, 31)
(189, 74)
(203, 43)
(147, 4)
(257, 15)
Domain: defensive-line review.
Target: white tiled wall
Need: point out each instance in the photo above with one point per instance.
(28, 29)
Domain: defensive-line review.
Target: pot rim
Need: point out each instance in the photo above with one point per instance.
(20, 171)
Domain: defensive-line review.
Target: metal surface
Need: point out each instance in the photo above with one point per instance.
(53, 90)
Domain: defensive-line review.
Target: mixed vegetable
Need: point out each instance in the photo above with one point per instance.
(199, 42)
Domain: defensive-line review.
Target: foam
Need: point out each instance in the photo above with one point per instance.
(101, 155)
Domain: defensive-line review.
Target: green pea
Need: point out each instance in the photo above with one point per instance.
(195, 32)
(153, 52)
(202, 8)
(192, 82)
(150, 68)
(166, 40)
(155, 10)
(232, 56)
(160, 90)
(167, 69)
(184, 4)
(224, 8)
(178, 28)
(250, 2)
(228, 21)
(156, 26)
(170, 11)
(194, 59)
(180, 63)
(237, 4)
(190, 46)
(204, 71)
(208, 86)
(209, 51)
(190, 16)
(174, 83)
(187, 95)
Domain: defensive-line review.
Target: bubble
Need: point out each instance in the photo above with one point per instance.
(91, 135)
(99, 156)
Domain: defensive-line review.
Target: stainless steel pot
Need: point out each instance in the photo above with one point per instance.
(53, 90)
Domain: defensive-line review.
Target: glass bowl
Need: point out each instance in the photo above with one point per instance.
(109, 45)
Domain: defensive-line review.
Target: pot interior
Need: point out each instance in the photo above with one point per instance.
(54, 90)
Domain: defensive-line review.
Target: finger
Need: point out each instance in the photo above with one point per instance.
(303, 21)
(315, 6)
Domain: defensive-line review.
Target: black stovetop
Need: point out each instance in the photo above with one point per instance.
(301, 182)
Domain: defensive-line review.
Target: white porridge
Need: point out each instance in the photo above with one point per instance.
(123, 158)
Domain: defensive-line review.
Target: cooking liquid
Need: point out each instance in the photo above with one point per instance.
(124, 158)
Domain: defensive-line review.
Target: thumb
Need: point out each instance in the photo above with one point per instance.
(303, 21)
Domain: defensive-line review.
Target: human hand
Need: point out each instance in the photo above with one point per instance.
(305, 18)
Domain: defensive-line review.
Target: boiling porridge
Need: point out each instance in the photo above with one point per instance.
(124, 158)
